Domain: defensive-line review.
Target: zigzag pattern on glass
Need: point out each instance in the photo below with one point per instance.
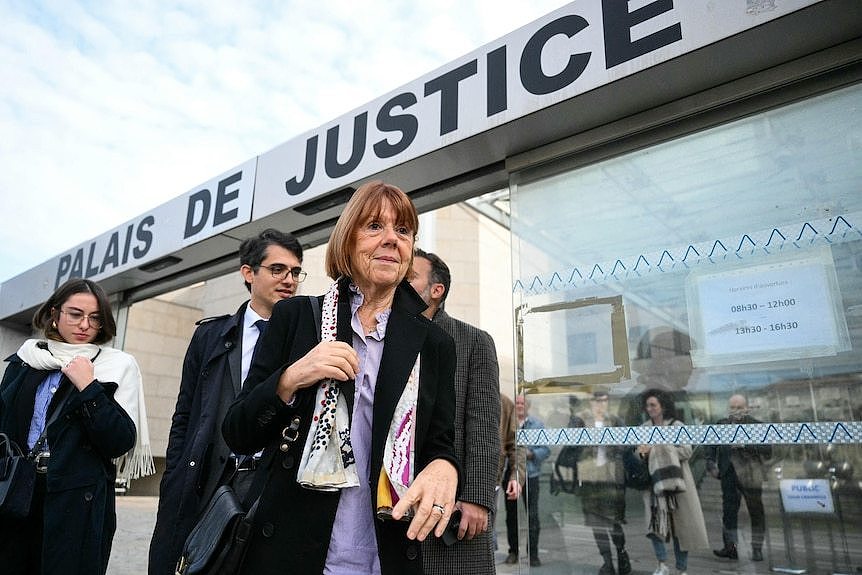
(800, 433)
(828, 230)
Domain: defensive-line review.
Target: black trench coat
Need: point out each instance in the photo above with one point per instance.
(293, 524)
(79, 512)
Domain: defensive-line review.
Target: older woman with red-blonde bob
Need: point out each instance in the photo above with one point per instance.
(368, 391)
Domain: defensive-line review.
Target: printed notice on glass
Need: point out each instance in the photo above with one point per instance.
(781, 310)
(806, 496)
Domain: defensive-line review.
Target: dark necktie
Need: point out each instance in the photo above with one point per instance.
(261, 327)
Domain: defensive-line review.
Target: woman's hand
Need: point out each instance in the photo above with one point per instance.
(643, 450)
(79, 370)
(433, 488)
(327, 360)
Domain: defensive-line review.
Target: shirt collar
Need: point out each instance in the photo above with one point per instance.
(249, 318)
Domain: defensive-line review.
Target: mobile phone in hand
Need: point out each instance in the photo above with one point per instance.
(450, 536)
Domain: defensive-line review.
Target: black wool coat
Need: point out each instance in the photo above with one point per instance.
(293, 525)
(197, 453)
(79, 516)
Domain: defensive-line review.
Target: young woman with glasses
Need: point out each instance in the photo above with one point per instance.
(77, 408)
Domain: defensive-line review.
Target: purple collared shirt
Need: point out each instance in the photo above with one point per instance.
(353, 545)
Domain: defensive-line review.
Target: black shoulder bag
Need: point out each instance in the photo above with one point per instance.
(218, 541)
(636, 470)
(565, 476)
(18, 469)
(17, 479)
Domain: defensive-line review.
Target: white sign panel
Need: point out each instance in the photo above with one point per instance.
(806, 496)
(780, 310)
(584, 45)
(219, 204)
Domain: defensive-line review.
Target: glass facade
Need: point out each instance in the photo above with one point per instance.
(719, 267)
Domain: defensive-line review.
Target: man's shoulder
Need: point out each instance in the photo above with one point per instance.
(532, 422)
(213, 320)
(456, 327)
(218, 325)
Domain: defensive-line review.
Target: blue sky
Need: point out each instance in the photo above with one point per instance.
(110, 108)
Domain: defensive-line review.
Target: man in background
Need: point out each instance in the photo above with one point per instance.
(535, 455)
(601, 479)
(741, 469)
(216, 363)
(513, 469)
(477, 433)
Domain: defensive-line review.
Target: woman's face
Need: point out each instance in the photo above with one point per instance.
(653, 408)
(80, 307)
(382, 251)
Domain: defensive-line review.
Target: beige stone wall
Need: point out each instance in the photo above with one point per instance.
(477, 253)
(10, 341)
(157, 336)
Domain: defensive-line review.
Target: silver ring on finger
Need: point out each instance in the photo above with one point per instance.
(439, 508)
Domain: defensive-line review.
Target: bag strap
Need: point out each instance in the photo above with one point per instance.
(249, 516)
(315, 310)
(54, 415)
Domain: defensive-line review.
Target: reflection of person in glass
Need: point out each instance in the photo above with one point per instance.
(672, 506)
(663, 361)
(741, 471)
(602, 489)
(535, 455)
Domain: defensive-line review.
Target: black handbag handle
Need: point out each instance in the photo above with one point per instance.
(12, 448)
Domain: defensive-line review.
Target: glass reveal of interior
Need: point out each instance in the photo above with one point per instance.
(736, 253)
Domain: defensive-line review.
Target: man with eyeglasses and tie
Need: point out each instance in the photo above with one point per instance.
(216, 364)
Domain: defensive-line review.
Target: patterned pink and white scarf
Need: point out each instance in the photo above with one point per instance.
(327, 462)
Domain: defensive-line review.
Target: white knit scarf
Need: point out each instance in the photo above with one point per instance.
(667, 481)
(109, 365)
(327, 462)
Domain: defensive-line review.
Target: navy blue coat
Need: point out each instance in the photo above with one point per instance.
(79, 511)
(293, 524)
(196, 453)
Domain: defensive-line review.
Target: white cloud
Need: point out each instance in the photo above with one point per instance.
(110, 108)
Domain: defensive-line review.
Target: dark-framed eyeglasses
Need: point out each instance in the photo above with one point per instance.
(280, 272)
(75, 317)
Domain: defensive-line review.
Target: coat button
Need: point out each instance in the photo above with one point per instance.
(267, 530)
(88, 496)
(228, 344)
(412, 551)
(191, 463)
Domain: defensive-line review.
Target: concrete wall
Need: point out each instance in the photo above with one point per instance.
(10, 341)
(477, 253)
(158, 335)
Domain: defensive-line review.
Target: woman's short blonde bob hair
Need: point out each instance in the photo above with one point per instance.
(367, 203)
